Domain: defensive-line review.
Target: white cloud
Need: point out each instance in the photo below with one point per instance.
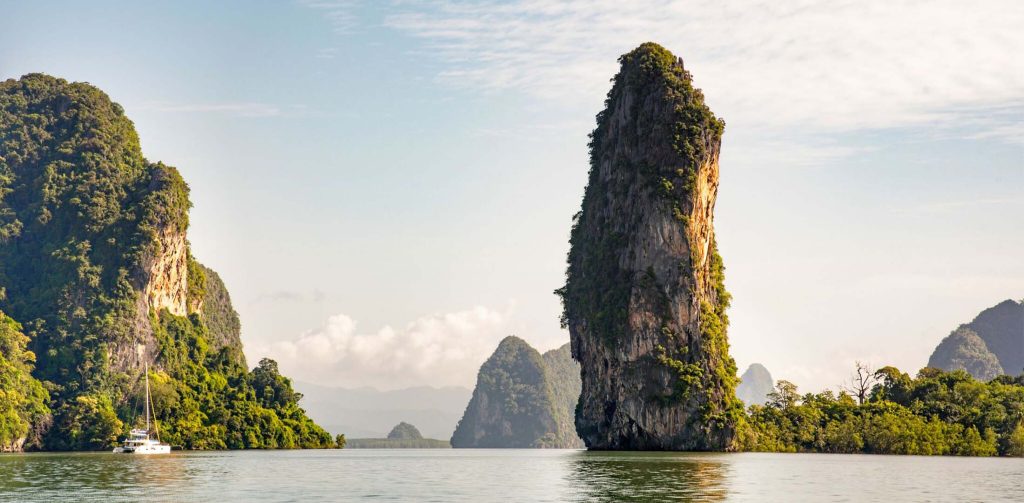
(1009, 132)
(437, 350)
(836, 65)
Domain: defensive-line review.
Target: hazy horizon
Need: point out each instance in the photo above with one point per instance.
(387, 187)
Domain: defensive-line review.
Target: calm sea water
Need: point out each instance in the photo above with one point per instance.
(504, 475)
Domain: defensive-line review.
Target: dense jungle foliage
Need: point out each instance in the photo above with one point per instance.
(936, 413)
(81, 216)
(22, 397)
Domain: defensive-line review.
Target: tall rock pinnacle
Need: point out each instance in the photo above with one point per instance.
(644, 299)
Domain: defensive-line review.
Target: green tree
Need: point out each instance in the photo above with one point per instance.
(84, 219)
(936, 413)
(22, 398)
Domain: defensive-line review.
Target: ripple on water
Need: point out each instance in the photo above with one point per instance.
(503, 475)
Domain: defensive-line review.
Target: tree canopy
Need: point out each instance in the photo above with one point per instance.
(84, 218)
(936, 413)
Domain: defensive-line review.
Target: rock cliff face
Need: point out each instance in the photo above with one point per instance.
(95, 262)
(516, 403)
(78, 201)
(991, 344)
(755, 384)
(644, 297)
(166, 285)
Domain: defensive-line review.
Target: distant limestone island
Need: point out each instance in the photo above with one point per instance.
(522, 399)
(97, 280)
(990, 345)
(402, 436)
(366, 412)
(755, 385)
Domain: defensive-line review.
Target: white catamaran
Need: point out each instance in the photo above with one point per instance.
(141, 441)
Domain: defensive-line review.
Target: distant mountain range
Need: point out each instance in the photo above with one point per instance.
(370, 413)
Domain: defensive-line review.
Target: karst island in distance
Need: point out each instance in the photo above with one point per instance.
(118, 335)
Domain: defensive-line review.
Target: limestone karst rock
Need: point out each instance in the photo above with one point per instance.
(1002, 328)
(519, 402)
(755, 384)
(991, 344)
(644, 299)
(964, 350)
(564, 376)
(95, 262)
(404, 431)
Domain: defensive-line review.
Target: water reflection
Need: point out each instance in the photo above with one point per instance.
(647, 476)
(55, 477)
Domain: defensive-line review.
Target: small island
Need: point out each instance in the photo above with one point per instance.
(402, 436)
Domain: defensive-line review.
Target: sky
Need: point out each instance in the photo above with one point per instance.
(387, 187)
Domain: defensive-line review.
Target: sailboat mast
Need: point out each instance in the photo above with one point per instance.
(147, 396)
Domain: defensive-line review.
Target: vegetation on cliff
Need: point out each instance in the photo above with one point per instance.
(564, 377)
(22, 398)
(991, 344)
(517, 403)
(402, 436)
(644, 299)
(404, 431)
(95, 263)
(936, 413)
(964, 350)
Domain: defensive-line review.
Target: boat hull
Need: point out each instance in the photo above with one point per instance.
(148, 449)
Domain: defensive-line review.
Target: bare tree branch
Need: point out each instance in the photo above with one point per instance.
(861, 382)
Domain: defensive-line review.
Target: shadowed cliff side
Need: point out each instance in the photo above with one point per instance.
(517, 402)
(990, 345)
(644, 299)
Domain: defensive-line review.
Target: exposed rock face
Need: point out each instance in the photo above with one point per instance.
(515, 403)
(166, 286)
(755, 384)
(644, 297)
